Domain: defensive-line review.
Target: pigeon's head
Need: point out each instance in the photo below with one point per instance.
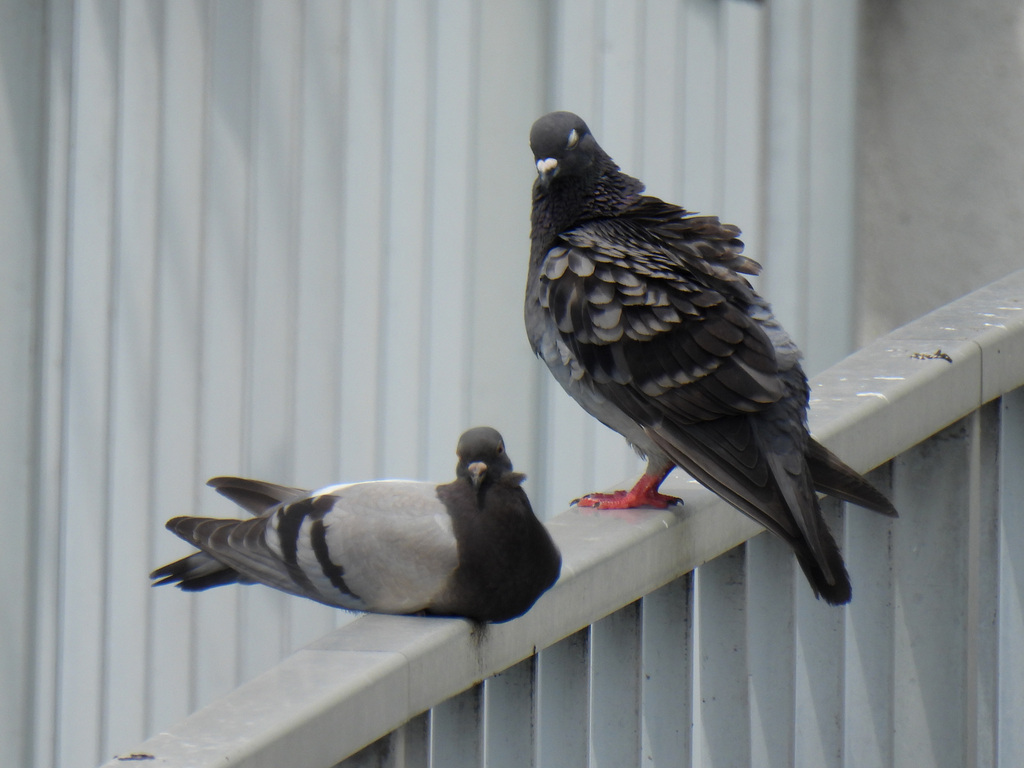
(563, 147)
(482, 456)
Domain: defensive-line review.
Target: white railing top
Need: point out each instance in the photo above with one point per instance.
(354, 685)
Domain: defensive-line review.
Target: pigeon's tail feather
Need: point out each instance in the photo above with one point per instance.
(698, 451)
(254, 496)
(836, 590)
(832, 476)
(241, 546)
(195, 573)
(799, 514)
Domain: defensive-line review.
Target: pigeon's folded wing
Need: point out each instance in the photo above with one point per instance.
(396, 543)
(382, 546)
(652, 336)
(680, 344)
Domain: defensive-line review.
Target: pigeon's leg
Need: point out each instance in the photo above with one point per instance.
(643, 494)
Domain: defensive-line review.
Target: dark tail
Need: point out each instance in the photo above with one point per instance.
(832, 476)
(202, 570)
(195, 573)
(838, 591)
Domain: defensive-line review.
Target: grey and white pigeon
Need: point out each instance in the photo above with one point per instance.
(471, 547)
(640, 311)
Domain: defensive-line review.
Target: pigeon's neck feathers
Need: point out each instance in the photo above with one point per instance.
(568, 202)
(473, 500)
(513, 478)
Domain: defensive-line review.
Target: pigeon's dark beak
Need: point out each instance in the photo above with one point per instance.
(477, 470)
(547, 169)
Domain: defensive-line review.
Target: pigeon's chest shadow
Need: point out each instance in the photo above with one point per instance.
(502, 549)
(487, 531)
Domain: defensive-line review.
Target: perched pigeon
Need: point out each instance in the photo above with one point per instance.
(472, 547)
(639, 310)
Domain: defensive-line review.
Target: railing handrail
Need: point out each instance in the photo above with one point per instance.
(377, 672)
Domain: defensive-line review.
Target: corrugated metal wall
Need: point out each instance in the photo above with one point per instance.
(288, 240)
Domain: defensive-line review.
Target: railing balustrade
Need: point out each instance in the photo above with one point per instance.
(640, 657)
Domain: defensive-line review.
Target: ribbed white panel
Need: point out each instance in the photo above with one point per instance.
(288, 239)
(22, 180)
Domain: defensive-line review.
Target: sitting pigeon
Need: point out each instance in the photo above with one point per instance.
(639, 310)
(472, 547)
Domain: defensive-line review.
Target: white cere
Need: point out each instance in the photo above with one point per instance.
(574, 139)
(546, 164)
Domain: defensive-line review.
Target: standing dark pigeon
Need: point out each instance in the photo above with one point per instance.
(639, 310)
(472, 547)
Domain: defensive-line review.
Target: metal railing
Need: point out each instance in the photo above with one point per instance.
(636, 658)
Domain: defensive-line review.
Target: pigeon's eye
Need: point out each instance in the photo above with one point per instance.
(574, 139)
(501, 448)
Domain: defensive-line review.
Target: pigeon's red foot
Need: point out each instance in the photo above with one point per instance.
(637, 497)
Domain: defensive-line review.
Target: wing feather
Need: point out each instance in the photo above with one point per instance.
(384, 546)
(663, 316)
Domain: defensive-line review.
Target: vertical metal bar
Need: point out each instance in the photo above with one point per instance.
(868, 724)
(771, 650)
(404, 747)
(376, 755)
(931, 489)
(412, 743)
(456, 731)
(1010, 680)
(564, 699)
(615, 670)
(724, 693)
(818, 683)
(510, 713)
(983, 587)
(667, 676)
